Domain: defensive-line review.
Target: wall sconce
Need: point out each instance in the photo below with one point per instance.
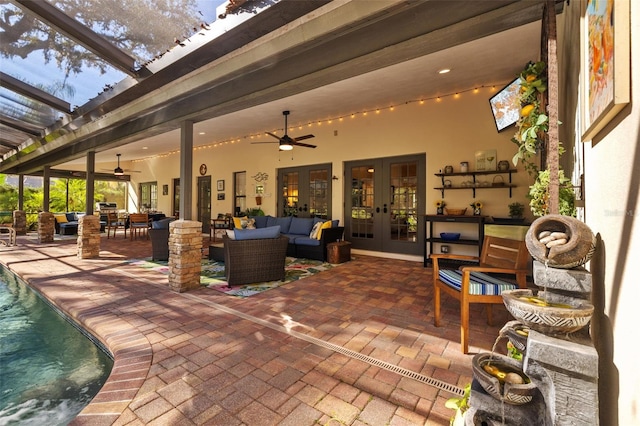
(334, 177)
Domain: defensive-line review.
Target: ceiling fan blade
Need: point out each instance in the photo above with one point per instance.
(271, 134)
(306, 145)
(301, 138)
(264, 142)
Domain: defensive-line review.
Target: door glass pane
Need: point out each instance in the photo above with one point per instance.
(404, 202)
(362, 192)
(318, 198)
(290, 189)
(240, 192)
(148, 197)
(176, 197)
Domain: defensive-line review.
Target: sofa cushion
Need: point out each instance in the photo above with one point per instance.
(285, 223)
(257, 234)
(71, 217)
(335, 223)
(260, 221)
(301, 225)
(305, 241)
(60, 218)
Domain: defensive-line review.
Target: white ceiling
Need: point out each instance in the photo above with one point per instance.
(493, 60)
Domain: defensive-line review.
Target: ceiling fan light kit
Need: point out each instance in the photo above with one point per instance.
(286, 143)
(118, 171)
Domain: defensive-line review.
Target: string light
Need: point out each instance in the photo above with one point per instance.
(353, 115)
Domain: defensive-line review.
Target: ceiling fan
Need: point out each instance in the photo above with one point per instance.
(286, 143)
(118, 171)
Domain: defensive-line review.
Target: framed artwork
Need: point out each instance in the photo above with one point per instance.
(486, 160)
(221, 196)
(220, 185)
(605, 63)
(165, 189)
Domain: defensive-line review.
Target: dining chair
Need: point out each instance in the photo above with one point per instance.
(138, 225)
(502, 265)
(115, 223)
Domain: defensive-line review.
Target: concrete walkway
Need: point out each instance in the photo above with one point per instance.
(354, 345)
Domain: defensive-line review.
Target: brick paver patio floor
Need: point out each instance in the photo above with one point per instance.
(354, 345)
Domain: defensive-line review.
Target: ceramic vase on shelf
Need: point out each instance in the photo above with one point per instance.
(477, 211)
(439, 210)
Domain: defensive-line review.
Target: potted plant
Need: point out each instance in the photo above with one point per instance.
(516, 210)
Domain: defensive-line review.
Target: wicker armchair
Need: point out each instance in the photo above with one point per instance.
(254, 261)
(159, 243)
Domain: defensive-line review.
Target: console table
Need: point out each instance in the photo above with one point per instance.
(433, 237)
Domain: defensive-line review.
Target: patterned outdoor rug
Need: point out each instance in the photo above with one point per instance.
(212, 275)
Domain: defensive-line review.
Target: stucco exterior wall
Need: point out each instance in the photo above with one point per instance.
(447, 132)
(612, 176)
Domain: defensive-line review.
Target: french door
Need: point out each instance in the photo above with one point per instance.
(305, 191)
(382, 200)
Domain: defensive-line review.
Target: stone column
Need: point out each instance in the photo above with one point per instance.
(46, 227)
(185, 255)
(20, 222)
(88, 237)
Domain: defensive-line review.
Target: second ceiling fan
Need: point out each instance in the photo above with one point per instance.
(286, 143)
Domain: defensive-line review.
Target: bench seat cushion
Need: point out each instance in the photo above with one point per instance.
(479, 283)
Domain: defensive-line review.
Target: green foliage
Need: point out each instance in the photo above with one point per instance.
(58, 201)
(460, 405)
(516, 210)
(255, 211)
(144, 27)
(533, 122)
(539, 195)
(513, 352)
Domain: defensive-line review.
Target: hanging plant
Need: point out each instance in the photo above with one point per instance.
(539, 195)
(533, 122)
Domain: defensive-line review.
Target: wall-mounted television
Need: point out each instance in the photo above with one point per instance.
(505, 105)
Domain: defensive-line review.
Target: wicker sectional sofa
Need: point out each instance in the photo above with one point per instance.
(298, 231)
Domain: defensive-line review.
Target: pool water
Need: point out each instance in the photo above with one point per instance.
(49, 370)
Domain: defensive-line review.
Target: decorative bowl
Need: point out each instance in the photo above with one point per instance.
(510, 393)
(455, 212)
(554, 319)
(450, 236)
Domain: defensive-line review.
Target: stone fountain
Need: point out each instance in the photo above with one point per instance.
(559, 359)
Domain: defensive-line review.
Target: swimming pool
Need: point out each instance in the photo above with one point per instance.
(49, 370)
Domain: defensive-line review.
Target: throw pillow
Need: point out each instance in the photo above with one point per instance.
(325, 225)
(60, 218)
(315, 229)
(231, 234)
(237, 222)
(248, 223)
